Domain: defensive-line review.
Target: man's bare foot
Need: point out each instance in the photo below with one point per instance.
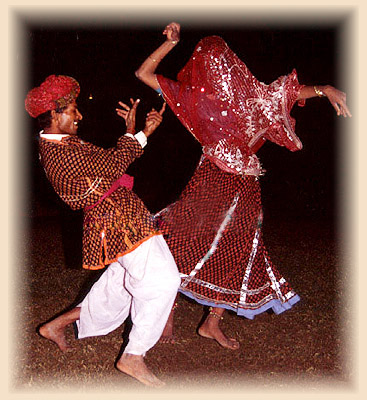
(56, 334)
(210, 329)
(55, 329)
(134, 366)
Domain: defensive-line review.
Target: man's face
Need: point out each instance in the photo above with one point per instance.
(67, 121)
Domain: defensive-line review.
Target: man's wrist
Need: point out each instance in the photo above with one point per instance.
(140, 137)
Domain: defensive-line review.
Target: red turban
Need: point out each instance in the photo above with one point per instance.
(57, 91)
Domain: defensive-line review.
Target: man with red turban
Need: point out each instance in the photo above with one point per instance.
(118, 230)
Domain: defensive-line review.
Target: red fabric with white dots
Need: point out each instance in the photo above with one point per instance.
(231, 114)
(240, 261)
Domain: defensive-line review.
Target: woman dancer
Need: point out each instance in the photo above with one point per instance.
(214, 229)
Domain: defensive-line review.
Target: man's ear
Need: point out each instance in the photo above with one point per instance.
(53, 114)
(54, 120)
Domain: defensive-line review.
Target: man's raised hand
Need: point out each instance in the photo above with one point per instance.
(153, 120)
(128, 114)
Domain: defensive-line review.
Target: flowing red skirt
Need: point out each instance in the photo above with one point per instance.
(214, 233)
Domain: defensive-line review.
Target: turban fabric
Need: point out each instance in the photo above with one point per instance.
(57, 91)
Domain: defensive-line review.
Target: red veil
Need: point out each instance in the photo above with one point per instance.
(228, 110)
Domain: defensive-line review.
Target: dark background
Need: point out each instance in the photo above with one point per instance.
(300, 185)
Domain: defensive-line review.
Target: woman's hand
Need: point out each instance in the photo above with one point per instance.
(153, 120)
(172, 31)
(128, 114)
(338, 100)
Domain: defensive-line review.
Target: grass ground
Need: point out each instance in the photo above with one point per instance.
(306, 347)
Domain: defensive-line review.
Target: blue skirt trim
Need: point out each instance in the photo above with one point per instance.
(276, 305)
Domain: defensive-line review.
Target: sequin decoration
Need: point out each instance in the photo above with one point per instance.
(228, 110)
(214, 231)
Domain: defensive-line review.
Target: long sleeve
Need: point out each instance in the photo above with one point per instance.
(80, 172)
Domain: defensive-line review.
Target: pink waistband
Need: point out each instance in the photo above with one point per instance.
(124, 180)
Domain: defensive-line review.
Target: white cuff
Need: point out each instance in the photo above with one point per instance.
(140, 137)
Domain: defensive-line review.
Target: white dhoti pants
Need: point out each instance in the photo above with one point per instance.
(143, 283)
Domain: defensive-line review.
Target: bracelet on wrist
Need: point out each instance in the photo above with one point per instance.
(319, 92)
(174, 42)
(153, 59)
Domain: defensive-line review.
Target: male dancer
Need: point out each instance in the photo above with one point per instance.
(118, 230)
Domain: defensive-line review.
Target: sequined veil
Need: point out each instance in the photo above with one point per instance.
(228, 110)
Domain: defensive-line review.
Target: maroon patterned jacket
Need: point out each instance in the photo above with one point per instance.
(81, 173)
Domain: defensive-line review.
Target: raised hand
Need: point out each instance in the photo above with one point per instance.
(128, 114)
(172, 31)
(153, 120)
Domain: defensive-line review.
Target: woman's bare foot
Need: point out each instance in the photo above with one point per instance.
(210, 329)
(55, 334)
(134, 366)
(167, 336)
(170, 339)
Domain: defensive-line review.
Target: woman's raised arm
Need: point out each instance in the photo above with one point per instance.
(146, 72)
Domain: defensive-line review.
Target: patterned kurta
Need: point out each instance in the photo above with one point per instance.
(81, 173)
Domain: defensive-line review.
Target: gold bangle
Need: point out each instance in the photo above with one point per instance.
(174, 41)
(319, 92)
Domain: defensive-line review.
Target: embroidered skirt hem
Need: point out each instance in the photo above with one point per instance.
(274, 304)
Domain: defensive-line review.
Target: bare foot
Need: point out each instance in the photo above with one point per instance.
(210, 329)
(167, 335)
(218, 335)
(134, 366)
(171, 339)
(56, 334)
